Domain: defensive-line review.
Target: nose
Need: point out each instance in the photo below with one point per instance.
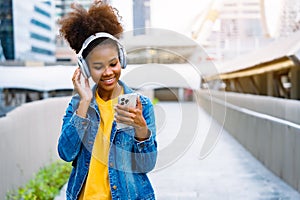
(108, 71)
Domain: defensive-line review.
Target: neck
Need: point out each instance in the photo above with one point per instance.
(107, 95)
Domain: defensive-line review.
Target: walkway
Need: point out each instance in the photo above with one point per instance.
(228, 172)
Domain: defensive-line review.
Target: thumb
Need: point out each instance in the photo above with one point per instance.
(139, 103)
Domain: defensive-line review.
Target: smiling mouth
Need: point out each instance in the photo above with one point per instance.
(108, 81)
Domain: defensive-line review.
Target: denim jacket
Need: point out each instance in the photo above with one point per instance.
(129, 159)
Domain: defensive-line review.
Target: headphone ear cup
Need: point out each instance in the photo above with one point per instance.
(84, 67)
(122, 57)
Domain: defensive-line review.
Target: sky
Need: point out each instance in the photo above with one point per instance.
(168, 14)
(180, 15)
(176, 15)
(272, 9)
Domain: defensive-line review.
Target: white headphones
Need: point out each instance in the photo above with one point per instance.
(82, 63)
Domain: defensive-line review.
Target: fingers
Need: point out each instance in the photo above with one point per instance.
(76, 74)
(124, 114)
(125, 108)
(124, 119)
(87, 83)
(129, 116)
(125, 111)
(76, 77)
(83, 90)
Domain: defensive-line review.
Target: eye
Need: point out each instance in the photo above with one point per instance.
(113, 64)
(98, 67)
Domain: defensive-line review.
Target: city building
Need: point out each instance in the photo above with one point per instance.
(282, 17)
(242, 29)
(63, 52)
(2, 57)
(141, 16)
(62, 7)
(232, 27)
(289, 21)
(27, 30)
(135, 18)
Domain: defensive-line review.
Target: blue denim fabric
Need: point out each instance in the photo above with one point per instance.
(129, 160)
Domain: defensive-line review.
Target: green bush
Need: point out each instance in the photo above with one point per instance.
(45, 185)
(155, 101)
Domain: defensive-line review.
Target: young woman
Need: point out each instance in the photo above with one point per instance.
(108, 162)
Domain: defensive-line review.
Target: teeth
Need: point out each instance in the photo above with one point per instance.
(109, 80)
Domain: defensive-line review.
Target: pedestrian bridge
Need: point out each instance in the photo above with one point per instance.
(208, 148)
(240, 144)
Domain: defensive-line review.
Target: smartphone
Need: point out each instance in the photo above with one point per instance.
(128, 100)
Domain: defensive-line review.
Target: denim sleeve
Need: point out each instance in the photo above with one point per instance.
(145, 152)
(72, 133)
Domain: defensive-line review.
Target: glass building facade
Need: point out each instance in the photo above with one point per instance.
(27, 30)
(6, 29)
(141, 16)
(63, 7)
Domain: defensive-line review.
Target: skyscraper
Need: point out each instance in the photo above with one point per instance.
(232, 27)
(2, 57)
(282, 17)
(6, 29)
(62, 7)
(141, 16)
(289, 18)
(27, 30)
(241, 26)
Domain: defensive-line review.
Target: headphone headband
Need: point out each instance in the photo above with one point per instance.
(96, 36)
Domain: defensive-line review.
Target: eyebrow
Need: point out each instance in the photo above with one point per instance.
(101, 63)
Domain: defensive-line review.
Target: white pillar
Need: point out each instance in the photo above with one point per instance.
(45, 94)
(181, 94)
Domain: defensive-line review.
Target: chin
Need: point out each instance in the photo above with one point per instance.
(107, 87)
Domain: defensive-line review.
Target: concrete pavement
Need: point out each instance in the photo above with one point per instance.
(228, 172)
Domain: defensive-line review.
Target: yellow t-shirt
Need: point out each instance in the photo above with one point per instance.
(97, 186)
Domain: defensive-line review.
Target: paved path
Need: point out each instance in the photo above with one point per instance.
(228, 172)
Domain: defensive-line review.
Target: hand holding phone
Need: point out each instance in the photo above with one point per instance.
(129, 101)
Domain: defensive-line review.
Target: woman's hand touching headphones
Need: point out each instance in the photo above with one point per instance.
(84, 91)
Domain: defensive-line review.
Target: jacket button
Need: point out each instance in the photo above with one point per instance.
(111, 164)
(114, 187)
